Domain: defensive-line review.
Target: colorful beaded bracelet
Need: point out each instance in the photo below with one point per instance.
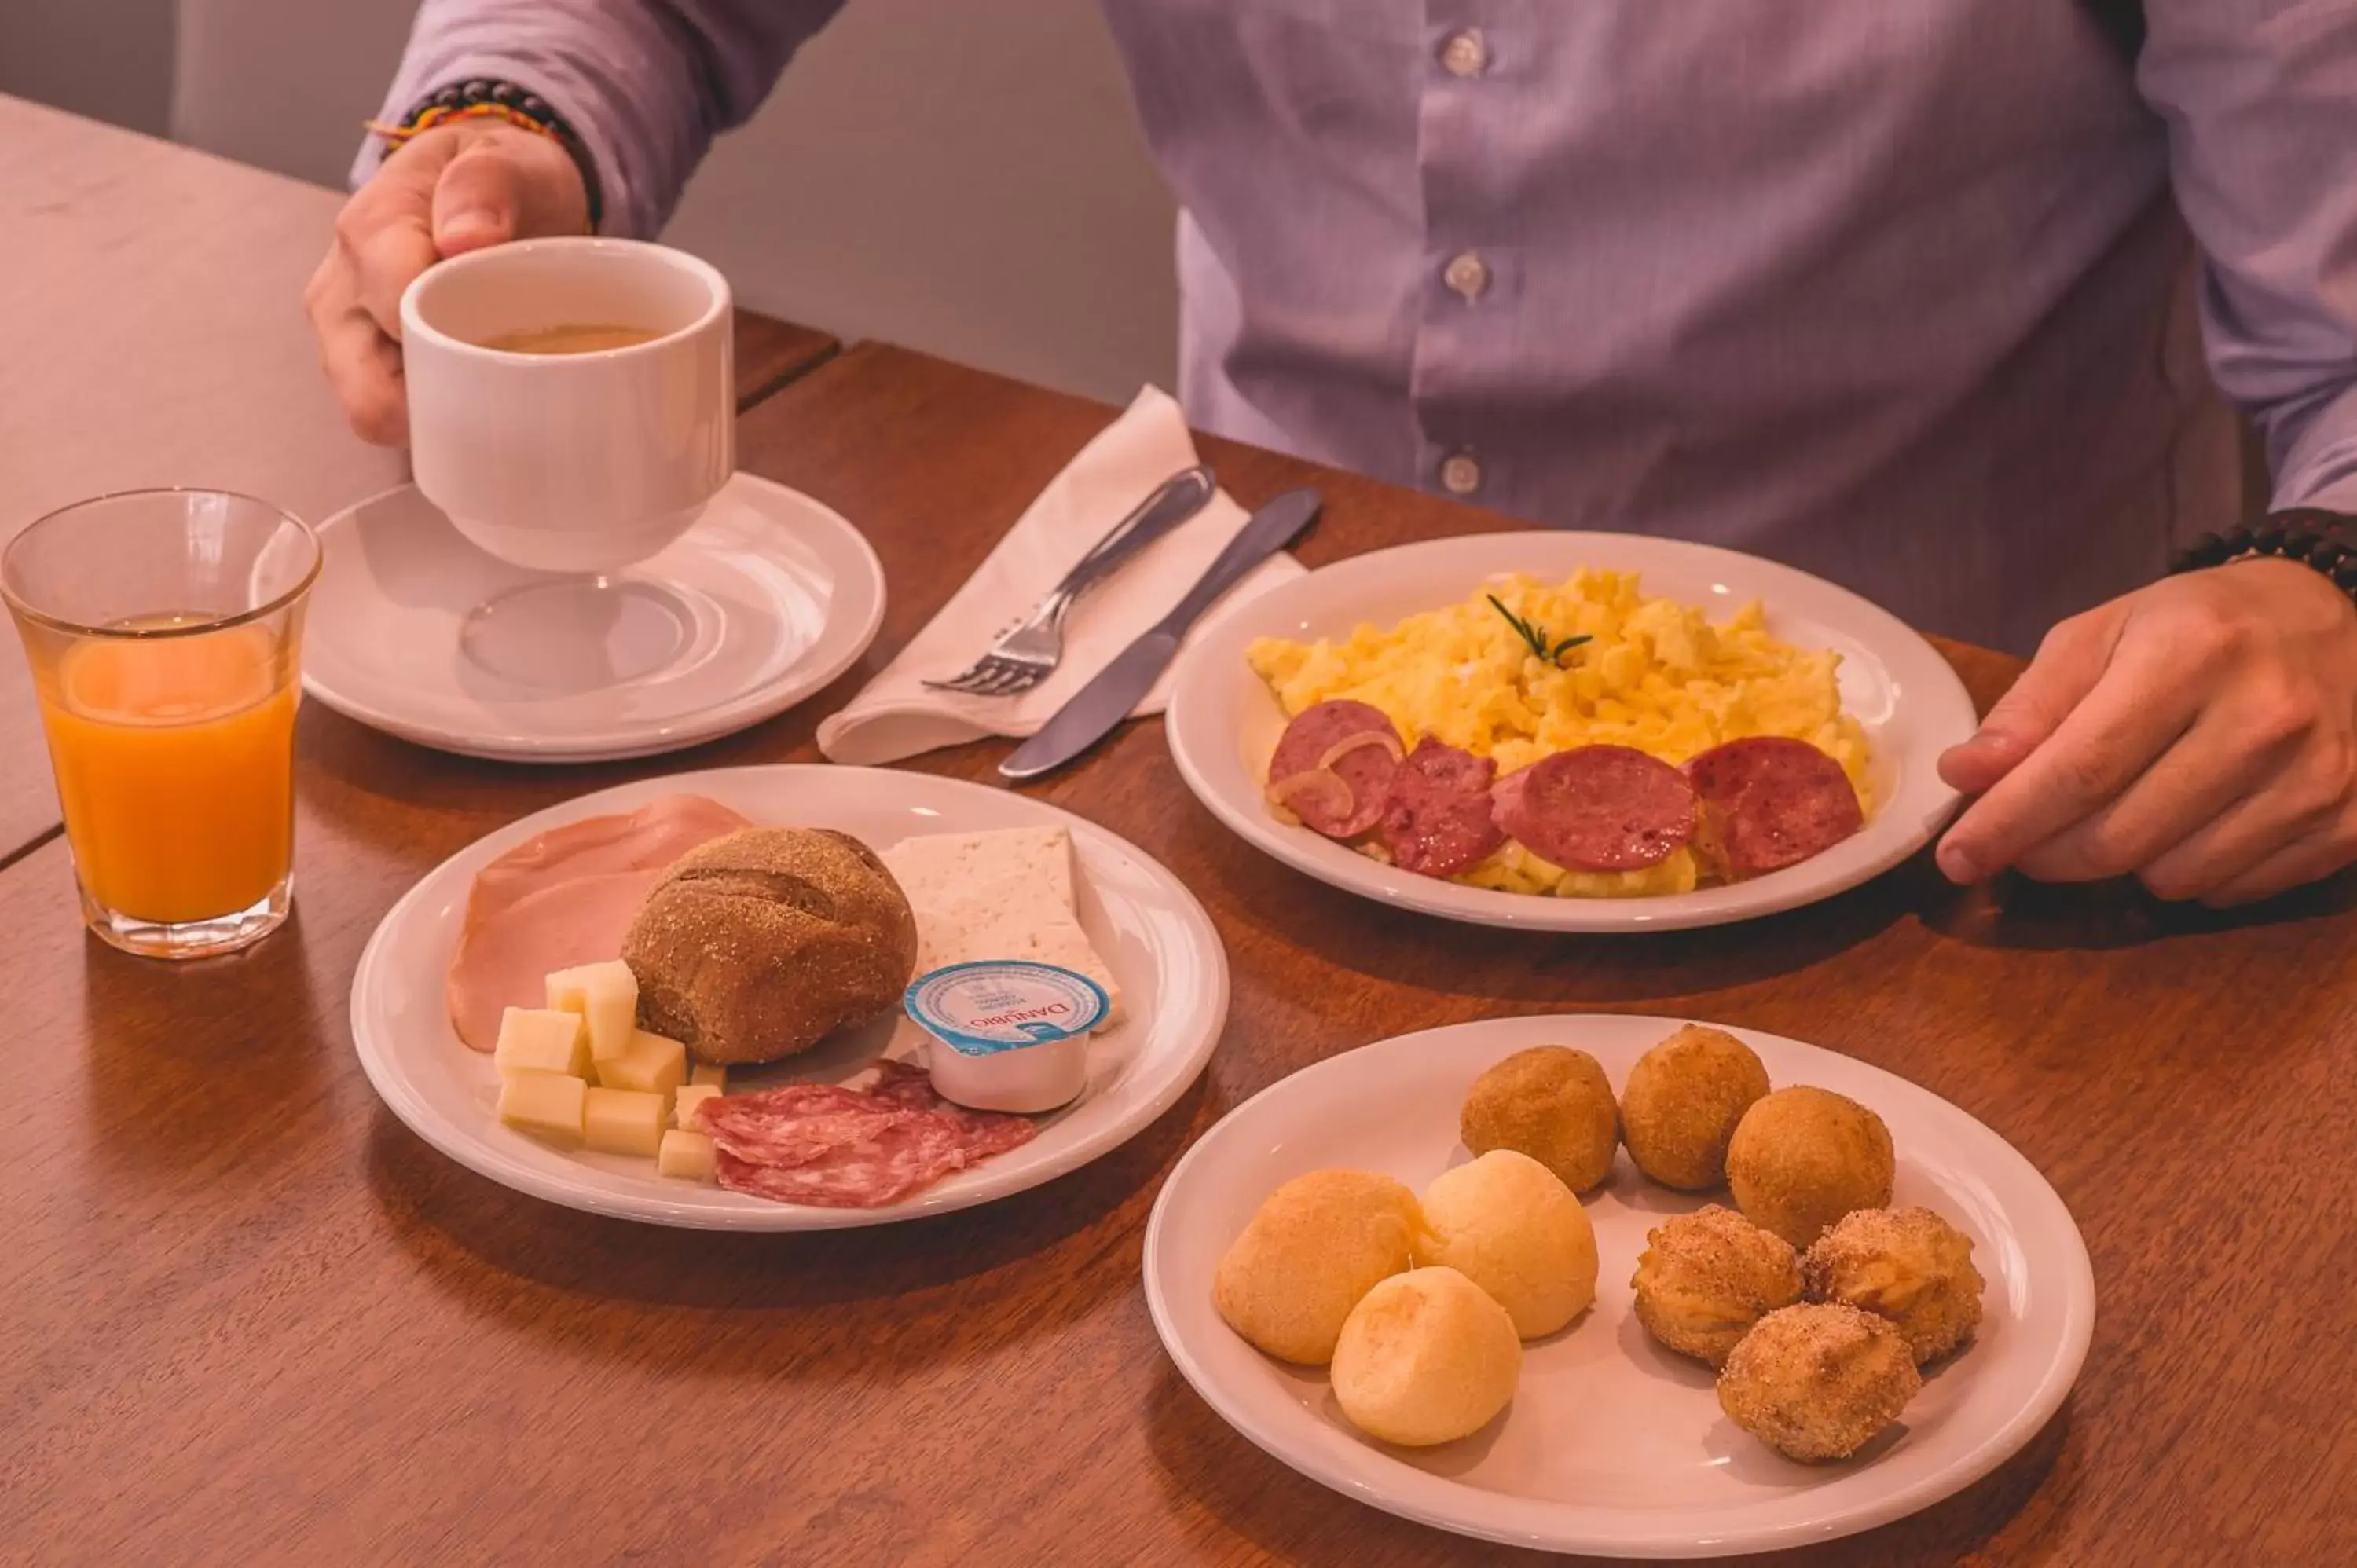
(503, 101)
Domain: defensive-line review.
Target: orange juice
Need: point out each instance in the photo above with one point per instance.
(175, 764)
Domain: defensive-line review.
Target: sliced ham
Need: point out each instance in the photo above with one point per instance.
(1438, 820)
(1353, 743)
(1597, 808)
(566, 898)
(1769, 802)
(848, 1148)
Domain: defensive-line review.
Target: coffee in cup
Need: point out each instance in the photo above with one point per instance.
(572, 403)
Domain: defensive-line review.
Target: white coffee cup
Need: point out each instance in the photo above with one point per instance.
(571, 462)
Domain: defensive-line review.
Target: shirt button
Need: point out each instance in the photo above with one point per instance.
(1465, 55)
(1460, 474)
(1469, 275)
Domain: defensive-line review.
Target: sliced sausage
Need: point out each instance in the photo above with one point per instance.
(1597, 808)
(1437, 820)
(1350, 743)
(1773, 802)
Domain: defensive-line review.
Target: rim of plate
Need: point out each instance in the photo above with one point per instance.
(2060, 1375)
(485, 1159)
(1207, 755)
(828, 657)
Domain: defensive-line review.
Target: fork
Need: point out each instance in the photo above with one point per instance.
(1027, 652)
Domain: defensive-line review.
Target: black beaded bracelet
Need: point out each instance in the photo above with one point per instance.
(482, 98)
(2309, 535)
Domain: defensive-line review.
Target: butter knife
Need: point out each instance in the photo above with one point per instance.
(1105, 701)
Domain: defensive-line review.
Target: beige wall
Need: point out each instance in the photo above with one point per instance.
(963, 178)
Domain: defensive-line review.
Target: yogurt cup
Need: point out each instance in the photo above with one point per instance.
(1008, 1035)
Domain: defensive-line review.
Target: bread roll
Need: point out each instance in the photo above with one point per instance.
(762, 944)
(1318, 1244)
(1425, 1357)
(1506, 1222)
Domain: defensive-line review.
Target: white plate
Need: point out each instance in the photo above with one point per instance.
(1223, 722)
(413, 630)
(1613, 1446)
(1160, 944)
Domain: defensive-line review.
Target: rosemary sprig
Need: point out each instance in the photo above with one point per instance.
(1535, 637)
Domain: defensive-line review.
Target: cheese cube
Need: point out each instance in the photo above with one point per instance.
(711, 1073)
(623, 1121)
(547, 1105)
(535, 1039)
(653, 1065)
(685, 1154)
(607, 995)
(684, 1103)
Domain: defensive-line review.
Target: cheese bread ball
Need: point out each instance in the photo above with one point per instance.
(1908, 1266)
(1801, 1158)
(1552, 1103)
(1818, 1381)
(1506, 1222)
(1425, 1357)
(1680, 1105)
(1316, 1245)
(1705, 1278)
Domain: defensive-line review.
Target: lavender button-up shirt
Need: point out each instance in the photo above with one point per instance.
(1896, 293)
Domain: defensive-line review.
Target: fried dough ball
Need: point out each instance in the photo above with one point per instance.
(1818, 1381)
(1680, 1103)
(1316, 1245)
(1507, 1225)
(1552, 1103)
(1425, 1357)
(1907, 1266)
(1801, 1158)
(1705, 1278)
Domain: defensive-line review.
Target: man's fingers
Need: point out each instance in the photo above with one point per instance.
(2131, 716)
(2214, 765)
(364, 366)
(387, 259)
(2319, 853)
(2068, 665)
(477, 200)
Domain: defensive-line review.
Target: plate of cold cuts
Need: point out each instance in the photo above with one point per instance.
(682, 1000)
(1572, 731)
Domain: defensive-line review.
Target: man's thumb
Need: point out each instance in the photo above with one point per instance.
(476, 200)
(2068, 665)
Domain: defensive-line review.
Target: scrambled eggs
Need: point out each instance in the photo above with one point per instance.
(1655, 674)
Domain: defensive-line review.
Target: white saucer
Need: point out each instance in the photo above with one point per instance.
(414, 631)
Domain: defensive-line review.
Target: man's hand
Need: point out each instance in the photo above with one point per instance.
(459, 186)
(2199, 734)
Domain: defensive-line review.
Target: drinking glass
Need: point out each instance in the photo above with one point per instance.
(164, 629)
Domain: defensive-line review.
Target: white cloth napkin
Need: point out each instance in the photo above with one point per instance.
(897, 715)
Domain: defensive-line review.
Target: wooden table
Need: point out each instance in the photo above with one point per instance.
(152, 333)
(248, 1313)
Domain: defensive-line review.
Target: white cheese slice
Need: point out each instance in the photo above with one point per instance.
(1004, 895)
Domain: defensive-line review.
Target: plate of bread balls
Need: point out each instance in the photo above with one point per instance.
(1619, 1285)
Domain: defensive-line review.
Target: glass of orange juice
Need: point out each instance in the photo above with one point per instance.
(164, 629)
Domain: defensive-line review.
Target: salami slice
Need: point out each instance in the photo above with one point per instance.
(1597, 808)
(1772, 801)
(1318, 746)
(1438, 820)
(847, 1148)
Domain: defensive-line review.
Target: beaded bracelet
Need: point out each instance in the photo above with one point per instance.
(2306, 534)
(503, 101)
